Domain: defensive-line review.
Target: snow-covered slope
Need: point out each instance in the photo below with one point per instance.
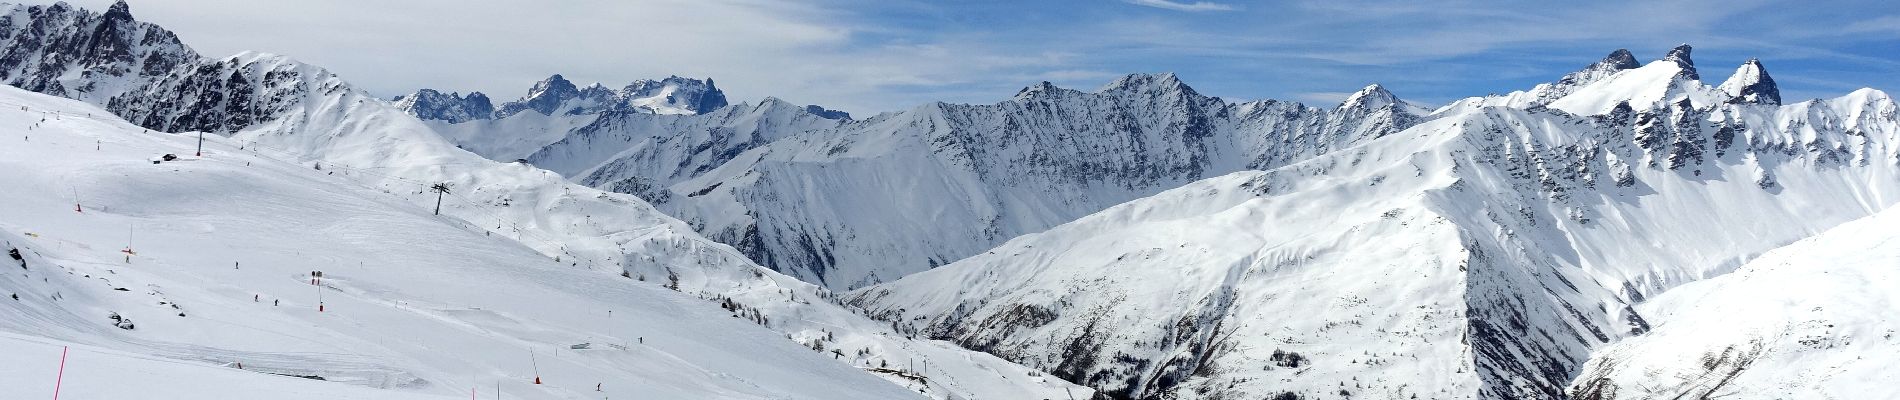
(1814, 319)
(100, 373)
(1482, 254)
(300, 113)
(208, 262)
(902, 192)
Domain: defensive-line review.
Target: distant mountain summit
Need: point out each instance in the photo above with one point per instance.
(453, 107)
(556, 96)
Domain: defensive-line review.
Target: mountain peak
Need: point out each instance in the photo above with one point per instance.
(1680, 55)
(1036, 90)
(1371, 97)
(1751, 84)
(556, 84)
(1165, 80)
(1622, 59)
(119, 8)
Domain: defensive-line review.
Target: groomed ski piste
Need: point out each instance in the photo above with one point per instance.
(208, 263)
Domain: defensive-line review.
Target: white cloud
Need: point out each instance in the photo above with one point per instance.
(1183, 6)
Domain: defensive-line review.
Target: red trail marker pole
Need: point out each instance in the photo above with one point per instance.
(61, 380)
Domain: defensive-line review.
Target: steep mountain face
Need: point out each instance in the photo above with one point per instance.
(1484, 253)
(1751, 84)
(430, 105)
(66, 51)
(644, 154)
(903, 192)
(1812, 319)
(292, 112)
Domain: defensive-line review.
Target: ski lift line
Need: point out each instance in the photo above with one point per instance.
(518, 228)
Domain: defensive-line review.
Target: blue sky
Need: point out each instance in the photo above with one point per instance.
(866, 56)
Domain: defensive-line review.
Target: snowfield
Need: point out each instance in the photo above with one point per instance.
(1815, 319)
(225, 246)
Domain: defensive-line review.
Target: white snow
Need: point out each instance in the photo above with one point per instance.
(368, 205)
(32, 370)
(1814, 319)
(413, 302)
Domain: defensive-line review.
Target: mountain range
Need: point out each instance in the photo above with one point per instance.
(1624, 231)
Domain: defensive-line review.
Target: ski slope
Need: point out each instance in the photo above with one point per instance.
(32, 368)
(412, 302)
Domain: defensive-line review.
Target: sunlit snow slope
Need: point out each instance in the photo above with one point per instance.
(219, 273)
(1815, 319)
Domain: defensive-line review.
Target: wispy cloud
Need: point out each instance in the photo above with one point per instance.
(1183, 6)
(1889, 23)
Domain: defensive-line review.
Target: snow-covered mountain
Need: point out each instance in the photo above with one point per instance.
(300, 114)
(1810, 320)
(66, 51)
(852, 203)
(1484, 253)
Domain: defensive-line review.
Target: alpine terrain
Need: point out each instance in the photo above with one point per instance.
(253, 226)
(304, 173)
(1488, 252)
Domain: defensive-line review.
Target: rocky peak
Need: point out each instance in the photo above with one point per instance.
(1165, 82)
(555, 85)
(545, 97)
(827, 113)
(1751, 84)
(119, 9)
(1618, 60)
(1037, 90)
(429, 104)
(67, 51)
(673, 95)
(1680, 56)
